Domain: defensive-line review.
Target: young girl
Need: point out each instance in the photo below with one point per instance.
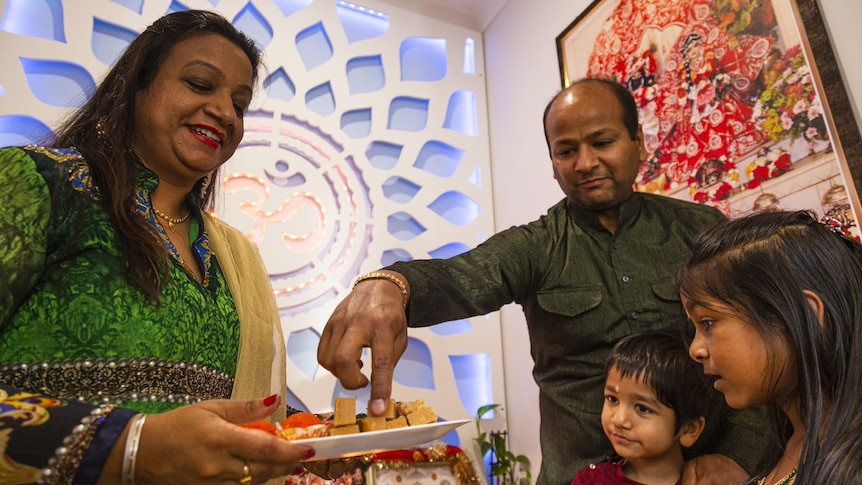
(656, 403)
(776, 302)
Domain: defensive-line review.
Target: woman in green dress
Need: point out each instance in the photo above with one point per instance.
(128, 315)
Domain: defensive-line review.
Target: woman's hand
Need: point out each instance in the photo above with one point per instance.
(202, 443)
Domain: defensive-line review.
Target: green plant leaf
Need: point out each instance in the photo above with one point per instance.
(507, 467)
(485, 409)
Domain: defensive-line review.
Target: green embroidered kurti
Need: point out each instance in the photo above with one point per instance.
(65, 300)
(582, 289)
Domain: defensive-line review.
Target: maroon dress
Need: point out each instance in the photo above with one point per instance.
(609, 472)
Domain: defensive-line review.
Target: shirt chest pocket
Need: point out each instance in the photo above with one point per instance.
(570, 302)
(665, 290)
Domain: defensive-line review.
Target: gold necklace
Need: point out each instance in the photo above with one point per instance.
(788, 479)
(172, 220)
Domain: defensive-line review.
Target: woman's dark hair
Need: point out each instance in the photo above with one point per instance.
(113, 166)
(660, 360)
(759, 265)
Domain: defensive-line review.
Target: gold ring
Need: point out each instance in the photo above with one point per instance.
(246, 473)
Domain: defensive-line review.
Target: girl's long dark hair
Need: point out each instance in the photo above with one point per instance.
(113, 166)
(759, 265)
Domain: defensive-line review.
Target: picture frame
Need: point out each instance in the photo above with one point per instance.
(439, 464)
(428, 473)
(692, 62)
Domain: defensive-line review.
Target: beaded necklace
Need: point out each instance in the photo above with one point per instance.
(789, 479)
(172, 221)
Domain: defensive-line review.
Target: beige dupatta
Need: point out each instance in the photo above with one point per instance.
(261, 368)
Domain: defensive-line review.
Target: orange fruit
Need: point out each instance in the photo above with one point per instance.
(300, 420)
(261, 425)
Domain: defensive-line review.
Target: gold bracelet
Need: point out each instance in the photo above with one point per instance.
(386, 276)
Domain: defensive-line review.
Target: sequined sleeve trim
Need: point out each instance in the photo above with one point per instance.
(106, 438)
(101, 381)
(63, 466)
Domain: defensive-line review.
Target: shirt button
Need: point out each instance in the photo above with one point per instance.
(635, 315)
(626, 279)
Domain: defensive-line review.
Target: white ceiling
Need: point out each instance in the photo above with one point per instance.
(473, 14)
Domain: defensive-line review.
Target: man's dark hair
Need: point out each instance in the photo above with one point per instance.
(625, 98)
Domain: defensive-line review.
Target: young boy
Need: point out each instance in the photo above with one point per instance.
(656, 402)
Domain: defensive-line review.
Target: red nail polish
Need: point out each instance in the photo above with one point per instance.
(299, 471)
(309, 454)
(270, 400)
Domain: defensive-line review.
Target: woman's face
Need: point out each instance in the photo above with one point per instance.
(744, 363)
(189, 121)
(694, 54)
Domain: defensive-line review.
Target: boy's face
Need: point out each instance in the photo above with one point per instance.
(638, 425)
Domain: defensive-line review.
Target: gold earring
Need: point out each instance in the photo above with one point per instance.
(205, 185)
(100, 126)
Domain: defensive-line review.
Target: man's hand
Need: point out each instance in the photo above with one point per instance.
(713, 470)
(372, 315)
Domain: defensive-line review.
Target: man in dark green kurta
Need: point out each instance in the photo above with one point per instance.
(597, 267)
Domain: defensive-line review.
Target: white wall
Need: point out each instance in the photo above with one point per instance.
(522, 75)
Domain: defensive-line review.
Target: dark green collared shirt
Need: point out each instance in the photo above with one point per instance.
(581, 289)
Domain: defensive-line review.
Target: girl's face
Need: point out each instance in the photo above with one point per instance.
(638, 425)
(745, 363)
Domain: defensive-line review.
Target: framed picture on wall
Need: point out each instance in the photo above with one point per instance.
(439, 464)
(741, 102)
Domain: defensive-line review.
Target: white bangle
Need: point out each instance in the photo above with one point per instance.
(136, 425)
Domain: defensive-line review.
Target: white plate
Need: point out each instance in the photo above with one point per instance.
(377, 441)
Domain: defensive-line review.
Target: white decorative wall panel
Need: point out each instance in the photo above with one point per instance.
(367, 144)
